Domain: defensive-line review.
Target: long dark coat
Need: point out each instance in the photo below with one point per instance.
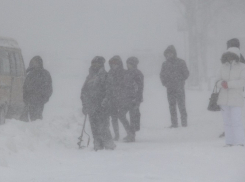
(174, 71)
(133, 87)
(94, 91)
(37, 87)
(114, 86)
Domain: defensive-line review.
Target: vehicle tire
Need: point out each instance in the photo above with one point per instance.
(2, 115)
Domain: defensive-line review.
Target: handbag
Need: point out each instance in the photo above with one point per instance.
(212, 105)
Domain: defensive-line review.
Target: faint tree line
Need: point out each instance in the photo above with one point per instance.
(198, 16)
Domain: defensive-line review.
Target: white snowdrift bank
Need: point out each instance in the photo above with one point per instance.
(46, 151)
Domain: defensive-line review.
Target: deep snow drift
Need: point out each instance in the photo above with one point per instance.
(47, 151)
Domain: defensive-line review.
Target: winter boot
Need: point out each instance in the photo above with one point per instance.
(98, 145)
(116, 138)
(173, 126)
(129, 138)
(109, 145)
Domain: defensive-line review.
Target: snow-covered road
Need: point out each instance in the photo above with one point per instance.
(46, 151)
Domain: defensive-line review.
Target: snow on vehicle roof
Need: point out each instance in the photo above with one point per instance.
(8, 42)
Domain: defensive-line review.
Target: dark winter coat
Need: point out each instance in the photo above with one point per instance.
(133, 87)
(94, 90)
(174, 71)
(115, 85)
(37, 87)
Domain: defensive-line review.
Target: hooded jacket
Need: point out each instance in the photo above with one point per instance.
(233, 72)
(37, 87)
(114, 82)
(133, 84)
(94, 90)
(174, 71)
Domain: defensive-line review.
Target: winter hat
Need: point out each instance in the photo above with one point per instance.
(99, 60)
(233, 43)
(233, 53)
(38, 60)
(133, 61)
(171, 49)
(234, 50)
(116, 60)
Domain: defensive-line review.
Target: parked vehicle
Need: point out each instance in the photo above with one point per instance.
(12, 76)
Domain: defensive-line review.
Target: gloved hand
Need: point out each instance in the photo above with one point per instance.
(85, 111)
(224, 84)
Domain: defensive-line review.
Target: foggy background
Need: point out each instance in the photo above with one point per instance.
(68, 34)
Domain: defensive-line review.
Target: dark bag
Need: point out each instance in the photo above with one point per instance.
(212, 106)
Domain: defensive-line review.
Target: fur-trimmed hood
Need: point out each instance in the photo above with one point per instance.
(232, 54)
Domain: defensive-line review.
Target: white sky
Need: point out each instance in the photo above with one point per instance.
(75, 28)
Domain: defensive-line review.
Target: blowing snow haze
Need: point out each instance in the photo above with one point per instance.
(68, 34)
(77, 30)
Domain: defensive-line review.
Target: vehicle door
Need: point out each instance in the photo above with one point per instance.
(5, 77)
(18, 76)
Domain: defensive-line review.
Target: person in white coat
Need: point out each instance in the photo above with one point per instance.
(231, 83)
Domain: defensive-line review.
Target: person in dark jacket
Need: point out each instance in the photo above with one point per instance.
(92, 94)
(132, 97)
(173, 75)
(114, 86)
(37, 88)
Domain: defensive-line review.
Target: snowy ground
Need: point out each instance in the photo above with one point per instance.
(46, 151)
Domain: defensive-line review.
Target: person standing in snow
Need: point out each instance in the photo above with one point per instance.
(231, 83)
(114, 87)
(233, 43)
(92, 94)
(132, 97)
(173, 74)
(37, 88)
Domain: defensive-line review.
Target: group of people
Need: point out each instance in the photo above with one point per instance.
(113, 94)
(119, 91)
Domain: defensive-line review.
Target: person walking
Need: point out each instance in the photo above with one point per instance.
(132, 98)
(231, 81)
(114, 87)
(37, 88)
(173, 74)
(92, 94)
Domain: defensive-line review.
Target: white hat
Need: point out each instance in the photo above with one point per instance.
(234, 50)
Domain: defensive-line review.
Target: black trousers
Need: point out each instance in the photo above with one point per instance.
(134, 115)
(99, 122)
(113, 113)
(36, 111)
(177, 97)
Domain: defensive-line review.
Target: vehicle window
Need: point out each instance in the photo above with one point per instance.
(4, 63)
(12, 64)
(19, 64)
(16, 64)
